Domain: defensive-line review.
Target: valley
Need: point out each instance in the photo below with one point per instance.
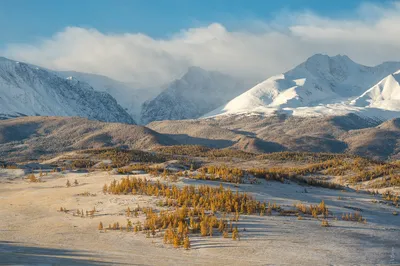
(301, 169)
(52, 210)
(199, 133)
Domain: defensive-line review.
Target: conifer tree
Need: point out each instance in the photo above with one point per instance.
(128, 225)
(186, 243)
(237, 216)
(203, 228)
(176, 242)
(180, 227)
(221, 226)
(235, 233)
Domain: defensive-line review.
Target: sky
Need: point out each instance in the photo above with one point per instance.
(152, 42)
(29, 20)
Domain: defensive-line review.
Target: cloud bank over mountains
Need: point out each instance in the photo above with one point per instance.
(371, 35)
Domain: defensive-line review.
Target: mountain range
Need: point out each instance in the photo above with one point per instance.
(29, 90)
(323, 85)
(325, 104)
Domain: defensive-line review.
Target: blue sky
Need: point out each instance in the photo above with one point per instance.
(29, 20)
(153, 42)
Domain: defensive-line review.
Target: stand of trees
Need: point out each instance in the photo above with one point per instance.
(206, 197)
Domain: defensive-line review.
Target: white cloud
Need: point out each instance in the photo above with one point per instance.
(371, 37)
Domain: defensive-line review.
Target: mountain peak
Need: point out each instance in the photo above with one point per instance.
(29, 90)
(317, 57)
(323, 67)
(195, 94)
(326, 61)
(342, 57)
(195, 69)
(195, 73)
(322, 85)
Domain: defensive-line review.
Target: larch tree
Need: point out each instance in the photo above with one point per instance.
(177, 241)
(221, 226)
(235, 234)
(186, 242)
(203, 228)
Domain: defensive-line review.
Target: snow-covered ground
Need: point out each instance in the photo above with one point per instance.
(34, 232)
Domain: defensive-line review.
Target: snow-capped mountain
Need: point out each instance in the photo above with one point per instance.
(322, 85)
(192, 96)
(384, 95)
(30, 90)
(129, 95)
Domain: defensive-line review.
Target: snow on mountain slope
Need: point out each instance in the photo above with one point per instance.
(30, 90)
(192, 96)
(319, 86)
(130, 96)
(384, 95)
